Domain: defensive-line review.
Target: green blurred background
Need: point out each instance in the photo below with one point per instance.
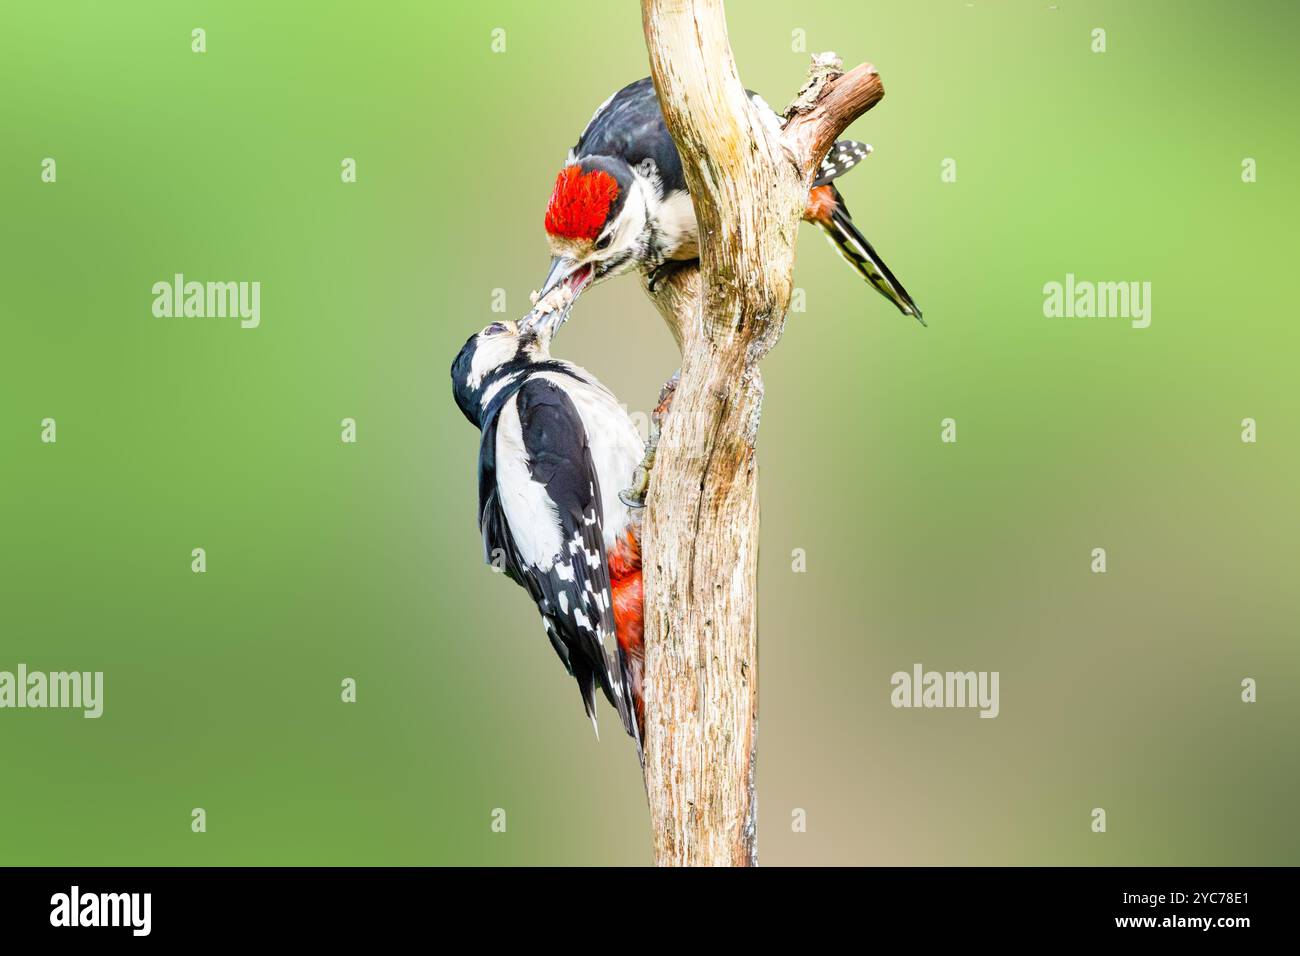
(328, 560)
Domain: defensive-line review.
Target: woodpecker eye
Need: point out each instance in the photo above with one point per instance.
(603, 242)
(496, 328)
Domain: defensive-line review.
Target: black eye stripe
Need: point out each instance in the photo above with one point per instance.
(613, 262)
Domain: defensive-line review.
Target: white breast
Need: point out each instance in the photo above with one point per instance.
(531, 513)
(677, 226)
(674, 216)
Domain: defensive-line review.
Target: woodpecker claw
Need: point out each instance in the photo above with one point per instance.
(661, 272)
(635, 496)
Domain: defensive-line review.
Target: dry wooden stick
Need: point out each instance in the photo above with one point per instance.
(750, 186)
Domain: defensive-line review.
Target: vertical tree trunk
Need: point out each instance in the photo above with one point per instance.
(749, 183)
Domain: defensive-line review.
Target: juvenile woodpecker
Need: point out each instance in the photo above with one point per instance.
(556, 451)
(620, 203)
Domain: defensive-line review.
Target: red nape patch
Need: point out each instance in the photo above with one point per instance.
(580, 203)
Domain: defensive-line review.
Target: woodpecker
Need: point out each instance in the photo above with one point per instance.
(620, 203)
(556, 451)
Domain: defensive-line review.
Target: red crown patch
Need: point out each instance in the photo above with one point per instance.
(580, 203)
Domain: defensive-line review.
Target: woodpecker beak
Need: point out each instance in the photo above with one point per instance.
(565, 281)
(563, 269)
(545, 326)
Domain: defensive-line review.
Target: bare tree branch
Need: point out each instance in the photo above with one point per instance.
(827, 105)
(749, 182)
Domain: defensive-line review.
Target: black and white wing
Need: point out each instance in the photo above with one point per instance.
(843, 156)
(631, 125)
(545, 514)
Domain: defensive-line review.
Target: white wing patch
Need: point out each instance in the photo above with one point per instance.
(529, 510)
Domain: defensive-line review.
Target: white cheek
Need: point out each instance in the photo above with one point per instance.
(491, 351)
(631, 223)
(637, 225)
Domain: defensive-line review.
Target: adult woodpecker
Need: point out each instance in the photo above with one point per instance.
(556, 451)
(620, 203)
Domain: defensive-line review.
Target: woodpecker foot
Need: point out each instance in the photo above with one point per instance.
(635, 496)
(662, 271)
(656, 276)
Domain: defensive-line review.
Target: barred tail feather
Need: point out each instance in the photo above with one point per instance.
(853, 246)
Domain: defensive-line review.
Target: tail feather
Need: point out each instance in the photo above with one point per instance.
(633, 670)
(587, 685)
(853, 246)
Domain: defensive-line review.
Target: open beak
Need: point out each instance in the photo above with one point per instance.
(563, 269)
(564, 283)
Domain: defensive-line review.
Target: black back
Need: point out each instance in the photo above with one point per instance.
(631, 126)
